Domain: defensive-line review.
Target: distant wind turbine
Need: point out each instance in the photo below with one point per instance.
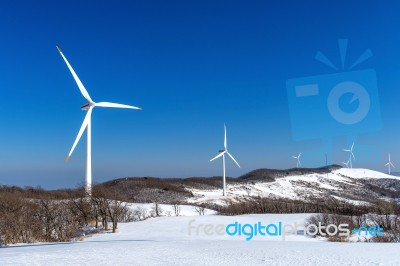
(87, 124)
(389, 164)
(352, 157)
(298, 163)
(347, 163)
(222, 153)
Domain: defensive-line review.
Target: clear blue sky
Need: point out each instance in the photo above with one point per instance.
(192, 66)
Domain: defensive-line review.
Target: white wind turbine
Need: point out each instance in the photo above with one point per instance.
(298, 163)
(389, 164)
(222, 153)
(351, 155)
(88, 107)
(347, 164)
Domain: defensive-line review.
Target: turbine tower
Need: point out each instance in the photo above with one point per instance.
(389, 164)
(351, 155)
(87, 124)
(222, 153)
(298, 163)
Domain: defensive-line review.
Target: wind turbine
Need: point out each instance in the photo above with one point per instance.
(389, 164)
(222, 153)
(298, 164)
(351, 155)
(87, 124)
(347, 164)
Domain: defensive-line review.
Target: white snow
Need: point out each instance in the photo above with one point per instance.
(168, 210)
(363, 173)
(292, 187)
(166, 241)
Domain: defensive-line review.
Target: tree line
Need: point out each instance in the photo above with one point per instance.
(327, 211)
(44, 219)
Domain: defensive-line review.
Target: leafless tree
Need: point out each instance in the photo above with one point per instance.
(177, 209)
(156, 210)
(140, 213)
(200, 209)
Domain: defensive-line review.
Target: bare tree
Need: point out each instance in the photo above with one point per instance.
(156, 210)
(116, 209)
(140, 213)
(177, 209)
(201, 209)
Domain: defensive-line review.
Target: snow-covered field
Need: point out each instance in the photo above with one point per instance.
(190, 239)
(167, 241)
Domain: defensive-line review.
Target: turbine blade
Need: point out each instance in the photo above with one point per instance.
(299, 155)
(352, 154)
(216, 157)
(225, 142)
(387, 164)
(116, 105)
(77, 80)
(83, 127)
(392, 165)
(233, 159)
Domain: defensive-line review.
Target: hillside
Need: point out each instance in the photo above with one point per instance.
(270, 175)
(355, 185)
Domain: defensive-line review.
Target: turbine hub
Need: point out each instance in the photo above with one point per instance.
(86, 106)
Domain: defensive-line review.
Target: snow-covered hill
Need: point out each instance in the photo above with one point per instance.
(167, 241)
(355, 185)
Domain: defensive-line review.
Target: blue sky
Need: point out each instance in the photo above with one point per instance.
(192, 66)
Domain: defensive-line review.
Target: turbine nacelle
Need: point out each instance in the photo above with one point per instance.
(86, 106)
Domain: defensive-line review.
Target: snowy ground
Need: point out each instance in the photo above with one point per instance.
(166, 241)
(168, 210)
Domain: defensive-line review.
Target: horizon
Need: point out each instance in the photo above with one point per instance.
(193, 67)
(81, 185)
